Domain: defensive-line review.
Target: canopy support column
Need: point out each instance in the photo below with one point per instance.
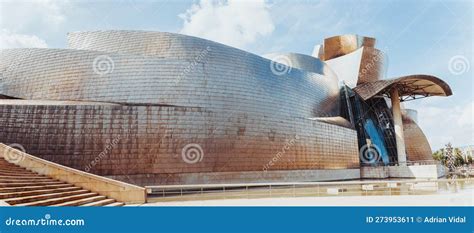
(398, 125)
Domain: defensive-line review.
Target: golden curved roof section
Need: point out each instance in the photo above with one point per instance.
(355, 59)
(337, 46)
(409, 87)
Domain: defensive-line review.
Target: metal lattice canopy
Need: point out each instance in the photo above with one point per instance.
(409, 87)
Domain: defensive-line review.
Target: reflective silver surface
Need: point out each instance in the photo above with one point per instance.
(221, 78)
(132, 114)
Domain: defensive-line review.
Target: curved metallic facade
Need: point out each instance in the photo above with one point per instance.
(417, 146)
(150, 139)
(161, 108)
(373, 66)
(337, 46)
(132, 115)
(303, 62)
(214, 81)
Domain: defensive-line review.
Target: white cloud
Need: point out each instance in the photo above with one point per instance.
(20, 16)
(466, 117)
(22, 21)
(233, 22)
(13, 40)
(443, 125)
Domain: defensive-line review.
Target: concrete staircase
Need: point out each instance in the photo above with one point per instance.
(22, 187)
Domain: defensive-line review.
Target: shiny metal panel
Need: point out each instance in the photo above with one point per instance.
(373, 66)
(417, 146)
(304, 62)
(221, 79)
(109, 139)
(154, 94)
(337, 46)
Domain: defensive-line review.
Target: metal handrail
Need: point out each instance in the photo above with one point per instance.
(305, 189)
(408, 163)
(294, 184)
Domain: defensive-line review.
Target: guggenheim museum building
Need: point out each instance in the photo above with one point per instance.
(154, 108)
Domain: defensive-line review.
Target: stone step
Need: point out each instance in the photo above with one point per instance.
(22, 187)
(11, 167)
(37, 192)
(5, 168)
(59, 200)
(100, 203)
(7, 164)
(38, 177)
(19, 200)
(3, 161)
(115, 204)
(44, 179)
(6, 185)
(82, 201)
(31, 188)
(24, 173)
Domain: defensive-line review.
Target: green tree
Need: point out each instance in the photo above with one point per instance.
(459, 160)
(439, 156)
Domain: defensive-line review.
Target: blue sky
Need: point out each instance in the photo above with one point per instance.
(427, 37)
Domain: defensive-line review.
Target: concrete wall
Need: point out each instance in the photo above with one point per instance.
(380, 172)
(412, 171)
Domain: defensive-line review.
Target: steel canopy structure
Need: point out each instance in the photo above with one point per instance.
(379, 125)
(409, 87)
